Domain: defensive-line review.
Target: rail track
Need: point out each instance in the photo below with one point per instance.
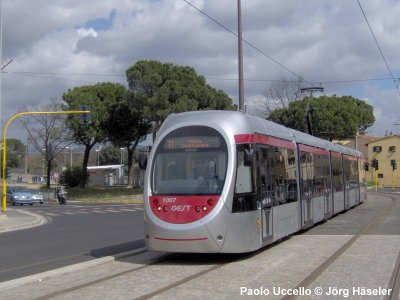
(301, 262)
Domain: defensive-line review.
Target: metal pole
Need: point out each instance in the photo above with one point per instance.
(392, 180)
(71, 158)
(240, 54)
(4, 183)
(1, 62)
(308, 107)
(26, 162)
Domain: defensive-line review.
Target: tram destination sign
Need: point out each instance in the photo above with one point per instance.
(192, 142)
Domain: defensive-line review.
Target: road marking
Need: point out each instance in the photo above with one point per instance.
(90, 210)
(51, 214)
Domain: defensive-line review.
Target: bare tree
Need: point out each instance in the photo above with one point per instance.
(279, 94)
(47, 133)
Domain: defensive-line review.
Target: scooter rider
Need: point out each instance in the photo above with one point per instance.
(61, 196)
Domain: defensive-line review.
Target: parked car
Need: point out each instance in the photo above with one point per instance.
(23, 195)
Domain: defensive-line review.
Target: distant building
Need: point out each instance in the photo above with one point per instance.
(114, 175)
(106, 175)
(360, 143)
(385, 151)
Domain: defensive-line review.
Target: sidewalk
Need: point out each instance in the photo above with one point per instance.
(15, 219)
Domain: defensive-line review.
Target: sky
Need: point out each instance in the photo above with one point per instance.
(58, 45)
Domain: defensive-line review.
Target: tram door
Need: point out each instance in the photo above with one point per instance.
(328, 189)
(307, 176)
(266, 174)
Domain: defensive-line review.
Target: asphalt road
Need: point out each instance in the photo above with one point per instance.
(74, 233)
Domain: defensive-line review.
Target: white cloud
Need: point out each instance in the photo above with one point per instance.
(321, 41)
(84, 32)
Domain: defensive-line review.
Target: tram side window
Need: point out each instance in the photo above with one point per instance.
(351, 173)
(243, 176)
(337, 174)
(277, 171)
(321, 179)
(245, 197)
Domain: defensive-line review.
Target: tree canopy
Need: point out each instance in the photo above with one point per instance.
(168, 89)
(330, 117)
(127, 125)
(125, 117)
(99, 98)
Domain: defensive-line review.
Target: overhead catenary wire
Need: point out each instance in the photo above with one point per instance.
(247, 42)
(54, 75)
(380, 49)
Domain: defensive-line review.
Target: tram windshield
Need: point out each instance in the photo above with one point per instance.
(190, 161)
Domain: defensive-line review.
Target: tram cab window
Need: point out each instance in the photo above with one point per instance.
(190, 161)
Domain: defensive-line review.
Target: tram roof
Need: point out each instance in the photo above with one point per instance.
(240, 123)
(306, 139)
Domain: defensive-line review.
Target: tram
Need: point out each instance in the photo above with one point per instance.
(224, 181)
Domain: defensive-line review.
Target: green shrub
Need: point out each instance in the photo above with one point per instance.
(73, 177)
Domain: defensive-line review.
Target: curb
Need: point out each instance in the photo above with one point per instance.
(37, 221)
(68, 269)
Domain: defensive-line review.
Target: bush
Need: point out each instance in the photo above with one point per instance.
(73, 177)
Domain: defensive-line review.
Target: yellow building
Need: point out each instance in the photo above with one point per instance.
(386, 152)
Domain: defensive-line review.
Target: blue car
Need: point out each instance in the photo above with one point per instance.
(23, 195)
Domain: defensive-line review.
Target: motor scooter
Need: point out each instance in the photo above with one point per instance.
(61, 196)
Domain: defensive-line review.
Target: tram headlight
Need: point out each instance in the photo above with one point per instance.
(210, 202)
(165, 208)
(159, 208)
(197, 209)
(205, 208)
(155, 201)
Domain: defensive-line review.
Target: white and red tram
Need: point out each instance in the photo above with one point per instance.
(224, 181)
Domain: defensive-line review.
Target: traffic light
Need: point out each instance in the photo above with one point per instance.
(393, 163)
(375, 164)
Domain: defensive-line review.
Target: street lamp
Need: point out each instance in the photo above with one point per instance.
(43, 159)
(308, 107)
(98, 157)
(70, 148)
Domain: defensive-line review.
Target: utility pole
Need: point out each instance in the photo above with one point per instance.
(308, 107)
(1, 61)
(240, 58)
(2, 67)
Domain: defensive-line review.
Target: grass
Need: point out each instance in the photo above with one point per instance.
(101, 193)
